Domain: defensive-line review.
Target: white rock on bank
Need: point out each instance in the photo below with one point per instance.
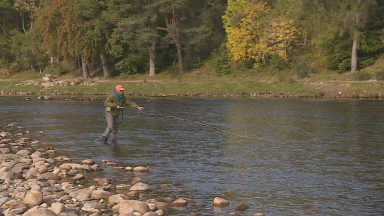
(140, 169)
(220, 202)
(57, 207)
(39, 212)
(33, 198)
(140, 187)
(100, 194)
(127, 206)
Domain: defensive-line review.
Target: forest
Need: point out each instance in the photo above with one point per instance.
(109, 38)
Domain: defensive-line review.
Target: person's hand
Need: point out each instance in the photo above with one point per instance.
(140, 108)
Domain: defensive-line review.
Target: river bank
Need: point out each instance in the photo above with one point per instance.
(195, 84)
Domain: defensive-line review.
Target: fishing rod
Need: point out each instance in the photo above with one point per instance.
(193, 122)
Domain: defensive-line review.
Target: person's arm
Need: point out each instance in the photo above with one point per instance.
(130, 103)
(133, 104)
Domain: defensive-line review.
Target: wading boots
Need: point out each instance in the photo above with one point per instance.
(102, 139)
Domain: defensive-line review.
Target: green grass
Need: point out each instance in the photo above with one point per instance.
(183, 88)
(205, 82)
(367, 90)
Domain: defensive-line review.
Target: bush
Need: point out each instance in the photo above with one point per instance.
(380, 75)
(365, 62)
(361, 76)
(338, 55)
(14, 67)
(277, 63)
(58, 70)
(344, 65)
(220, 61)
(303, 70)
(130, 65)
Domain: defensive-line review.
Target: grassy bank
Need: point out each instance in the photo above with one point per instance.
(202, 82)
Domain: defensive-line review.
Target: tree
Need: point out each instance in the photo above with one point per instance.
(172, 26)
(141, 31)
(348, 19)
(357, 12)
(203, 31)
(125, 18)
(26, 9)
(76, 29)
(27, 50)
(56, 29)
(171, 11)
(254, 36)
(7, 16)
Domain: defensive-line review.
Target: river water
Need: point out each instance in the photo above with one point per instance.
(281, 157)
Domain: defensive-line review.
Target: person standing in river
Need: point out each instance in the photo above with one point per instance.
(114, 105)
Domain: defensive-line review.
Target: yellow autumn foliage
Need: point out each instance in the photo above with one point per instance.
(258, 36)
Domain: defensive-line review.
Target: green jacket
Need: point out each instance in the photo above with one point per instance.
(112, 102)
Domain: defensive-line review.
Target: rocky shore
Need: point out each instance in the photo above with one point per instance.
(35, 181)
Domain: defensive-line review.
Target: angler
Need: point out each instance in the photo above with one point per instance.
(114, 105)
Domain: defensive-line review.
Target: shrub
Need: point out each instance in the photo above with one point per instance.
(380, 75)
(220, 61)
(365, 62)
(338, 55)
(277, 63)
(303, 70)
(58, 70)
(132, 64)
(344, 65)
(361, 76)
(302, 73)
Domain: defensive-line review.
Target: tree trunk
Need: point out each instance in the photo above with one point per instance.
(180, 57)
(175, 23)
(5, 32)
(152, 57)
(104, 64)
(23, 22)
(173, 30)
(84, 68)
(354, 53)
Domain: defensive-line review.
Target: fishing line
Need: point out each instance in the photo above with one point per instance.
(193, 122)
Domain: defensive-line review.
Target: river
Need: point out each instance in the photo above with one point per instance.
(281, 157)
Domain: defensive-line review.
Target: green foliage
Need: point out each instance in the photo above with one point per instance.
(276, 63)
(59, 70)
(6, 52)
(338, 53)
(233, 13)
(367, 61)
(27, 50)
(362, 76)
(8, 17)
(373, 42)
(303, 70)
(262, 35)
(380, 75)
(132, 64)
(220, 61)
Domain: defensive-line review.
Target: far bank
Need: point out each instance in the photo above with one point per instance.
(199, 83)
(199, 88)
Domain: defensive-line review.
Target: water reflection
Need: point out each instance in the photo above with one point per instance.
(299, 157)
